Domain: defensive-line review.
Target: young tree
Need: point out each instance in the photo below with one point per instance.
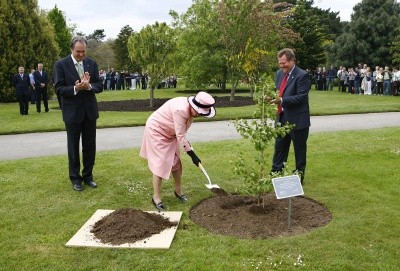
(26, 38)
(152, 48)
(63, 35)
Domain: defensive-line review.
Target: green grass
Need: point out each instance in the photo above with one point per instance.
(357, 180)
(321, 103)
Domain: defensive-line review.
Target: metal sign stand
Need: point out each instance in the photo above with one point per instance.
(288, 187)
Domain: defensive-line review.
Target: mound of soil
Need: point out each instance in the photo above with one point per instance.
(242, 217)
(144, 105)
(127, 225)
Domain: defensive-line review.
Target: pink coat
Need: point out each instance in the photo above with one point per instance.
(164, 133)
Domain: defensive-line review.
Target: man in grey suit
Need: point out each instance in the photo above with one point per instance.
(294, 85)
(77, 80)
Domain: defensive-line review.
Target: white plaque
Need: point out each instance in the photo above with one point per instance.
(287, 186)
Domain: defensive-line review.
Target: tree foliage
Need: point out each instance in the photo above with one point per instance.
(214, 33)
(97, 35)
(312, 34)
(63, 35)
(26, 38)
(120, 47)
(153, 47)
(373, 28)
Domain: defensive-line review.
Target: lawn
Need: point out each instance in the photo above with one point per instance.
(357, 180)
(321, 103)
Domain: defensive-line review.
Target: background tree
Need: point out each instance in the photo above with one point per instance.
(312, 33)
(215, 33)
(102, 52)
(152, 48)
(372, 29)
(97, 35)
(26, 38)
(63, 35)
(199, 49)
(120, 47)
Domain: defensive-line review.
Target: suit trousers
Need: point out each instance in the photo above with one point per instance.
(86, 129)
(282, 146)
(41, 94)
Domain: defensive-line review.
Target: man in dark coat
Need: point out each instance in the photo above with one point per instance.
(21, 83)
(41, 82)
(294, 85)
(77, 81)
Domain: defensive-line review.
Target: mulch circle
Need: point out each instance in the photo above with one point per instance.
(128, 225)
(242, 217)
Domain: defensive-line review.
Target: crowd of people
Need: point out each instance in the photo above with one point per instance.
(359, 80)
(124, 80)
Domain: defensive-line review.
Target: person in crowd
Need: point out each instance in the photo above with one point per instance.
(396, 81)
(113, 79)
(373, 80)
(330, 78)
(41, 82)
(379, 82)
(343, 79)
(144, 81)
(318, 81)
(350, 80)
(77, 80)
(108, 79)
(368, 79)
(165, 133)
(294, 85)
(21, 83)
(138, 79)
(387, 77)
(32, 86)
(357, 81)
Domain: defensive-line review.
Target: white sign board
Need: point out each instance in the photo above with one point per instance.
(287, 186)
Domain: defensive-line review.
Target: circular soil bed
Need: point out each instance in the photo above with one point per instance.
(144, 105)
(242, 217)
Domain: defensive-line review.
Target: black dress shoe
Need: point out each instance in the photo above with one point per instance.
(182, 198)
(77, 187)
(160, 206)
(91, 184)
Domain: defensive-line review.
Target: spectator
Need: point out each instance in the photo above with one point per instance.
(21, 83)
(32, 86)
(331, 74)
(396, 81)
(379, 82)
(41, 82)
(386, 81)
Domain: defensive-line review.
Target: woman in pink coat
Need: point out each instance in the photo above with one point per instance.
(165, 133)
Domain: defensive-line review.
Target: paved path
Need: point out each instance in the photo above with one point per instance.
(44, 144)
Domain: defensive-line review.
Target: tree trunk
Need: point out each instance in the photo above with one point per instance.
(151, 97)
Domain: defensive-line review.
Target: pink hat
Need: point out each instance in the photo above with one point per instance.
(203, 104)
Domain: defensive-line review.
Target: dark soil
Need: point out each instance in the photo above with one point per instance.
(242, 217)
(144, 105)
(127, 225)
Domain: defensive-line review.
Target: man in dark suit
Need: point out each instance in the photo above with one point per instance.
(294, 85)
(41, 81)
(77, 80)
(21, 83)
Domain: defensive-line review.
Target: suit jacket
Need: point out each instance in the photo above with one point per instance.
(295, 98)
(44, 78)
(21, 84)
(75, 107)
